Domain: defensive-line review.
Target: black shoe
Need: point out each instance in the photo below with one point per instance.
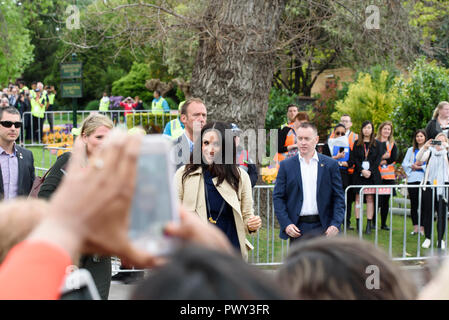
(385, 228)
(349, 228)
(368, 227)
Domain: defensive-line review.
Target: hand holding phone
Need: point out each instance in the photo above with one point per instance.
(154, 204)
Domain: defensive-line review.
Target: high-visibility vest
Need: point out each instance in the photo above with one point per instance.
(176, 128)
(242, 160)
(289, 140)
(51, 98)
(387, 171)
(286, 124)
(36, 110)
(352, 137)
(32, 94)
(104, 104)
(156, 107)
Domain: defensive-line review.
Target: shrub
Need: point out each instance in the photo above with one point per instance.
(93, 105)
(150, 122)
(427, 85)
(277, 107)
(370, 97)
(133, 84)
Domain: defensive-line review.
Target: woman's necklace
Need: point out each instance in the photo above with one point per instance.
(208, 206)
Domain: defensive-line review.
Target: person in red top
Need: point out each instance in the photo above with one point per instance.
(128, 104)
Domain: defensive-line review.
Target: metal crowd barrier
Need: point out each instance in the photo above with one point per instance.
(269, 250)
(47, 153)
(404, 232)
(31, 135)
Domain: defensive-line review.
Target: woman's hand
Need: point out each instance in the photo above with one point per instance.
(386, 156)
(427, 144)
(339, 155)
(254, 223)
(366, 173)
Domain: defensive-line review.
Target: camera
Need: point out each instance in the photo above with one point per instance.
(436, 142)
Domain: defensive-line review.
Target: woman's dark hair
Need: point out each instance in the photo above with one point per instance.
(343, 269)
(196, 273)
(372, 140)
(339, 125)
(415, 144)
(226, 167)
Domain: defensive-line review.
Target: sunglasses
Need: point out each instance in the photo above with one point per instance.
(9, 124)
(339, 134)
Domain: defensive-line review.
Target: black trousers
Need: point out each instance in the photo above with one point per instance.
(38, 126)
(350, 199)
(27, 126)
(49, 117)
(440, 206)
(414, 203)
(384, 204)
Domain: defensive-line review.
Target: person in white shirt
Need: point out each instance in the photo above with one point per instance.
(308, 196)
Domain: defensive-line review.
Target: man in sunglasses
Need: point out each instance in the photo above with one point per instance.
(16, 163)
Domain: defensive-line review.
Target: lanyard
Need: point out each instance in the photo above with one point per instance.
(366, 151)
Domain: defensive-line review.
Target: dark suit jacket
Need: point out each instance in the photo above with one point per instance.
(288, 193)
(26, 172)
(181, 151)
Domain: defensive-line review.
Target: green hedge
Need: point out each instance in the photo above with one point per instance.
(150, 122)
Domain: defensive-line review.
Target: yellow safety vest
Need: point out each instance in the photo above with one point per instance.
(156, 107)
(36, 110)
(387, 172)
(176, 129)
(51, 98)
(104, 104)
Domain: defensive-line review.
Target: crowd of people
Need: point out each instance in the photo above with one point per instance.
(366, 159)
(82, 217)
(35, 102)
(88, 214)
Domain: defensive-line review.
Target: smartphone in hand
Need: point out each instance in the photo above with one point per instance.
(155, 202)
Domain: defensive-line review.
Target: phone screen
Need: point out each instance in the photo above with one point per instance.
(153, 205)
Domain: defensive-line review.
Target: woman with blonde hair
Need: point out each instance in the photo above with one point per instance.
(93, 131)
(435, 152)
(439, 122)
(386, 168)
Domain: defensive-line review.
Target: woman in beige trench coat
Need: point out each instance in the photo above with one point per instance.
(216, 189)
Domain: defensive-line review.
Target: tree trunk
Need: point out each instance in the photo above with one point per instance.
(235, 62)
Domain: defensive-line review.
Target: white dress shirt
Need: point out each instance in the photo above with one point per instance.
(309, 176)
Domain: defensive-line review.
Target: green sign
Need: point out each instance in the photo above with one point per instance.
(71, 90)
(71, 70)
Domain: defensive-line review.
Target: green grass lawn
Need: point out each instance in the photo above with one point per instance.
(42, 160)
(269, 248)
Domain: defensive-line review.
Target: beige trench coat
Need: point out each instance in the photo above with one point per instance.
(192, 196)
